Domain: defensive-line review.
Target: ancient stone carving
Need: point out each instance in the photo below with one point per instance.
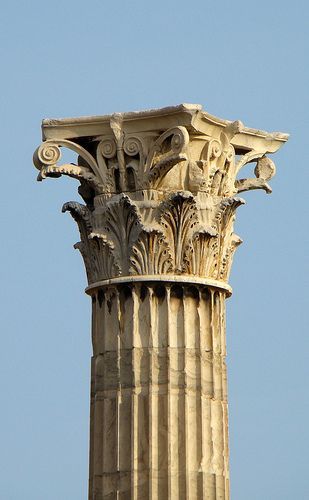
(161, 193)
(97, 251)
(160, 200)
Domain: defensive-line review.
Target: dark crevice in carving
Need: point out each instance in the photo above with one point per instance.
(117, 180)
(131, 185)
(177, 291)
(109, 303)
(143, 292)
(125, 291)
(100, 297)
(160, 291)
(192, 291)
(205, 293)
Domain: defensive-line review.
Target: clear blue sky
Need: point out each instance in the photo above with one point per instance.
(241, 60)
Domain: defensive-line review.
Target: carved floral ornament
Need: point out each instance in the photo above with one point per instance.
(160, 188)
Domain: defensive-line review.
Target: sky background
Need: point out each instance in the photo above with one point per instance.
(240, 60)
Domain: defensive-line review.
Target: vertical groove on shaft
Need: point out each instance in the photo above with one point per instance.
(92, 398)
(135, 389)
(175, 391)
(165, 363)
(159, 387)
(153, 407)
(170, 421)
(224, 398)
(118, 479)
(178, 446)
(110, 402)
(125, 380)
(191, 328)
(141, 393)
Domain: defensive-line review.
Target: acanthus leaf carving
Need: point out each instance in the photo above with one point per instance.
(151, 253)
(200, 252)
(108, 265)
(96, 251)
(167, 151)
(224, 222)
(227, 257)
(122, 226)
(178, 216)
(217, 161)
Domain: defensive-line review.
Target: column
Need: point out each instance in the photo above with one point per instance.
(160, 191)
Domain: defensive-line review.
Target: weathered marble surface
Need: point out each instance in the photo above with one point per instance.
(159, 397)
(161, 192)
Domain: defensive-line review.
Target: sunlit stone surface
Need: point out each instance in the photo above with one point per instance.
(161, 190)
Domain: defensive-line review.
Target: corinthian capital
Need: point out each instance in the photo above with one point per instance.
(160, 189)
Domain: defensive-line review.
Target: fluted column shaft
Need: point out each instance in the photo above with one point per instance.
(161, 189)
(159, 397)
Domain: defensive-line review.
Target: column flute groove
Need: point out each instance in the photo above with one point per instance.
(160, 191)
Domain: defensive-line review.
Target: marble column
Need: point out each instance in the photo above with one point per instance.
(161, 190)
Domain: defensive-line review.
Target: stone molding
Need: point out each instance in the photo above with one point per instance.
(160, 188)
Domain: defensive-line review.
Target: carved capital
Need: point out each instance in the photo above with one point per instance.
(160, 188)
